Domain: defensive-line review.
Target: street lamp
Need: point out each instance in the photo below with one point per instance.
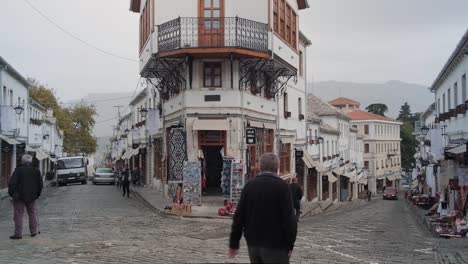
(320, 140)
(46, 136)
(424, 130)
(127, 131)
(18, 109)
(144, 112)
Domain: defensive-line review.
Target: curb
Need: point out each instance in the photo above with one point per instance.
(163, 212)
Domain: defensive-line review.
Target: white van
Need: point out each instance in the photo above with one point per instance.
(71, 169)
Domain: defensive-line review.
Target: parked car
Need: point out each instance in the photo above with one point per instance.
(103, 175)
(390, 193)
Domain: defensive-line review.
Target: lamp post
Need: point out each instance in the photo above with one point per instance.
(144, 112)
(18, 109)
(424, 130)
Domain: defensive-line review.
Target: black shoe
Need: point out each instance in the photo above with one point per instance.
(33, 235)
(15, 237)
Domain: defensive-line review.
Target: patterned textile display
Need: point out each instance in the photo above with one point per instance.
(237, 181)
(177, 156)
(192, 182)
(226, 177)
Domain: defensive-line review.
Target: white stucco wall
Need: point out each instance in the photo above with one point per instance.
(16, 121)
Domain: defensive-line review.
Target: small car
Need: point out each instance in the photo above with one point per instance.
(390, 193)
(104, 175)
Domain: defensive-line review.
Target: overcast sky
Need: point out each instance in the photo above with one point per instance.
(353, 40)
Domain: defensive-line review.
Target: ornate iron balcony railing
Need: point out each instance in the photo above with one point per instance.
(222, 32)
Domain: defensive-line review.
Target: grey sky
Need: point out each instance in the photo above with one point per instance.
(353, 40)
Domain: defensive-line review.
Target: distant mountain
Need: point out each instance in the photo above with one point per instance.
(106, 112)
(393, 93)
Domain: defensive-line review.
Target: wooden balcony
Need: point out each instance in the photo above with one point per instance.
(213, 37)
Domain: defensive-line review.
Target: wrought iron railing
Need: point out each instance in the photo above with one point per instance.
(223, 32)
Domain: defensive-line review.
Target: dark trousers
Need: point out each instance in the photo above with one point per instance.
(267, 255)
(18, 216)
(126, 188)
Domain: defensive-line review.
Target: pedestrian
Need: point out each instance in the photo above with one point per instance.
(25, 188)
(369, 195)
(297, 194)
(265, 215)
(126, 182)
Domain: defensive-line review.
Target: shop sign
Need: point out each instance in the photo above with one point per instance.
(251, 136)
(299, 153)
(6, 148)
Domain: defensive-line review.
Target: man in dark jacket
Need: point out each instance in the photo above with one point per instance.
(25, 188)
(265, 215)
(296, 193)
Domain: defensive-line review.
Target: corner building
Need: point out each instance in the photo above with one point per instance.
(217, 68)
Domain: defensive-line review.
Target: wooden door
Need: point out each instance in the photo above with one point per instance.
(6, 169)
(211, 23)
(312, 184)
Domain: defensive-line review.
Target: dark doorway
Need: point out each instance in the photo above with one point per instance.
(325, 188)
(214, 168)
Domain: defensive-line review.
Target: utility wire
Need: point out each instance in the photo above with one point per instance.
(75, 37)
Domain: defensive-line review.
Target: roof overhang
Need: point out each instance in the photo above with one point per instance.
(4, 65)
(302, 4)
(135, 6)
(458, 54)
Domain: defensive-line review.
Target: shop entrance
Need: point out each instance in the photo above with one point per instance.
(6, 164)
(213, 145)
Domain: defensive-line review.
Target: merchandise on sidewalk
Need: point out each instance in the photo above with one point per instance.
(192, 183)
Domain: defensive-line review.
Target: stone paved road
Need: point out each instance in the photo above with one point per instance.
(94, 224)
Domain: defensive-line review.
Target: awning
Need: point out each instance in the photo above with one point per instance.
(398, 177)
(269, 125)
(40, 155)
(458, 150)
(331, 177)
(363, 181)
(29, 149)
(338, 171)
(256, 124)
(211, 124)
(8, 140)
(308, 161)
(381, 177)
(391, 178)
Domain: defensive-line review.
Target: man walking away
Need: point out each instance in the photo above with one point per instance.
(25, 188)
(126, 182)
(265, 215)
(296, 193)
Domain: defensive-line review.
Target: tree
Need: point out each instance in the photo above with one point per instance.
(77, 121)
(405, 113)
(408, 141)
(378, 109)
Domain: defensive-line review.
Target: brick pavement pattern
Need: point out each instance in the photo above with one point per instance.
(95, 224)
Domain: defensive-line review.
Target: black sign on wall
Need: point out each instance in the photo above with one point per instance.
(299, 153)
(251, 136)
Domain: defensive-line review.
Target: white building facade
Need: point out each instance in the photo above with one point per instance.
(448, 134)
(220, 68)
(14, 94)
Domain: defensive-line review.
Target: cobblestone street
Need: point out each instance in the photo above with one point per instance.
(95, 224)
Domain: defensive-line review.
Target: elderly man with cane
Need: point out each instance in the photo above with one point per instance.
(25, 188)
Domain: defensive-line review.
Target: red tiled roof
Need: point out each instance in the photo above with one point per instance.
(363, 115)
(343, 101)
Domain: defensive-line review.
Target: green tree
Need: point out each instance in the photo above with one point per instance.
(408, 141)
(405, 113)
(79, 139)
(378, 109)
(77, 121)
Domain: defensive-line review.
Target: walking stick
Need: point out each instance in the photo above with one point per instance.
(37, 217)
